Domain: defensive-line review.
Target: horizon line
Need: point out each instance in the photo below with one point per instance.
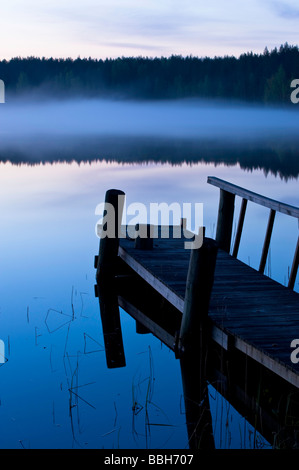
(107, 58)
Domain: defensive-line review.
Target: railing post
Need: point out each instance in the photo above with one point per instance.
(267, 241)
(225, 220)
(240, 228)
(294, 269)
(197, 297)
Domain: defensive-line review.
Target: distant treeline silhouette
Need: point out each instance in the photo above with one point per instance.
(260, 78)
(280, 159)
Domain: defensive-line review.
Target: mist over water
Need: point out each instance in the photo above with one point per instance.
(175, 119)
(40, 130)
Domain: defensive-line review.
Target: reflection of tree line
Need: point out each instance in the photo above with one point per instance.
(280, 159)
(251, 77)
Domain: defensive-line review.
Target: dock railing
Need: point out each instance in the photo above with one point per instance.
(228, 192)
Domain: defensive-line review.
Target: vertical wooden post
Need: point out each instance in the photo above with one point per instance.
(225, 220)
(108, 250)
(109, 311)
(141, 329)
(267, 241)
(197, 296)
(144, 241)
(106, 264)
(240, 227)
(197, 404)
(294, 267)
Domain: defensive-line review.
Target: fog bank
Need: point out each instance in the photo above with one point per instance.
(175, 119)
(165, 131)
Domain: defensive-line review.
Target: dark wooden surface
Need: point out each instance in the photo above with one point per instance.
(260, 316)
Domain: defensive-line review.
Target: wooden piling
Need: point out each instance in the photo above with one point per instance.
(225, 220)
(144, 240)
(141, 329)
(106, 264)
(112, 333)
(109, 244)
(197, 406)
(199, 285)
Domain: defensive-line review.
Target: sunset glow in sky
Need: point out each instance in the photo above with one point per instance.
(153, 28)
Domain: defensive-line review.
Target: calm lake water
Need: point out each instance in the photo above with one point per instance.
(56, 390)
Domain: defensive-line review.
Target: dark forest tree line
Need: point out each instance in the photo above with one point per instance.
(261, 78)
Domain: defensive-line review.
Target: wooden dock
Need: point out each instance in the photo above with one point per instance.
(247, 312)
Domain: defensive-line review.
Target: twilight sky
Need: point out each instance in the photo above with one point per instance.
(115, 28)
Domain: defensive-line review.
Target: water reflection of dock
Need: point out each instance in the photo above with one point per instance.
(230, 323)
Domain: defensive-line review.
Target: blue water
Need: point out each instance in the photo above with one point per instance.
(56, 390)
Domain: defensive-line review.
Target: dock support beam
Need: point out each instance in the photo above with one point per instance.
(197, 296)
(225, 220)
